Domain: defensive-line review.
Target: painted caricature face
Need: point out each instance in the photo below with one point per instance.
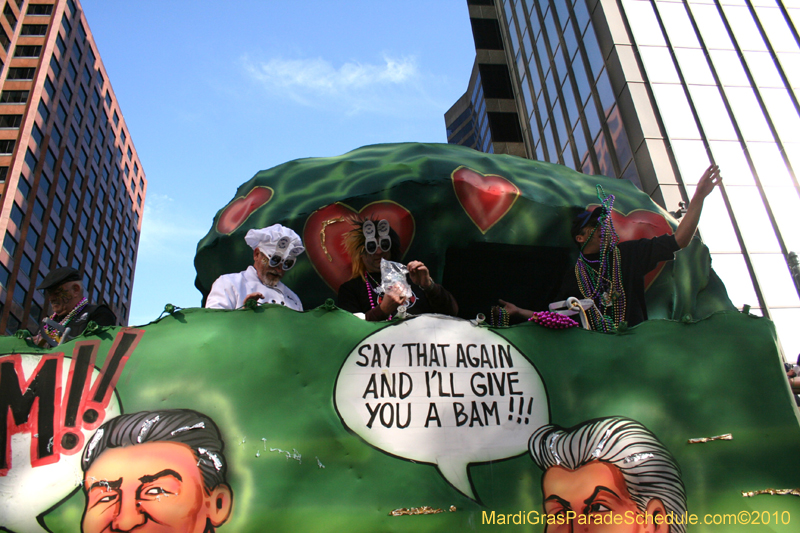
(151, 487)
(595, 497)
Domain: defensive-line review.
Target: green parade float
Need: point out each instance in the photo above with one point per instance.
(331, 423)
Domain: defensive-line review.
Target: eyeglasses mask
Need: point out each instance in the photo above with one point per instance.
(371, 243)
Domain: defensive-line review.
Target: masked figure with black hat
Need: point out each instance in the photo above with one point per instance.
(275, 250)
(72, 312)
(369, 242)
(611, 273)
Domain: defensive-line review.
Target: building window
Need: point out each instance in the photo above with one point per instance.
(116, 119)
(26, 265)
(67, 92)
(32, 237)
(62, 114)
(66, 25)
(13, 97)
(17, 215)
(93, 119)
(87, 75)
(62, 46)
(30, 159)
(73, 136)
(4, 275)
(13, 325)
(40, 9)
(20, 294)
(50, 159)
(23, 186)
(27, 50)
(55, 66)
(48, 86)
(10, 121)
(47, 257)
(4, 40)
(10, 16)
(38, 210)
(76, 51)
(55, 135)
(21, 73)
(73, 72)
(10, 244)
(34, 29)
(76, 113)
(3, 174)
(7, 146)
(108, 99)
(82, 94)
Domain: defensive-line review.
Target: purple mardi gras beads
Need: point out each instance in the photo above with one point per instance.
(552, 320)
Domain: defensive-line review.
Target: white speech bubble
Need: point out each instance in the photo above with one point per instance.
(27, 491)
(480, 398)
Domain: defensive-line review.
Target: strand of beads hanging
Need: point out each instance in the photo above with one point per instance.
(601, 280)
(552, 320)
(371, 295)
(498, 317)
(53, 332)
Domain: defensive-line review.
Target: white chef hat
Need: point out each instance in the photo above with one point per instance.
(266, 239)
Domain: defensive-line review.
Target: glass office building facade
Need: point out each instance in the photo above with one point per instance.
(71, 181)
(654, 91)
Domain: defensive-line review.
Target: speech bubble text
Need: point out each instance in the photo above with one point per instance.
(441, 391)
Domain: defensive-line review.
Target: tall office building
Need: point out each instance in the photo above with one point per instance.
(72, 185)
(653, 91)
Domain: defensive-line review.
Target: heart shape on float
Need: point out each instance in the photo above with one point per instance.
(235, 213)
(486, 198)
(324, 228)
(640, 224)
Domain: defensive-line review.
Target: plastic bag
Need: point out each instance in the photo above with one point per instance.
(393, 278)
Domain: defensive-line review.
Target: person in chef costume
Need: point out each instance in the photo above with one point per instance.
(275, 250)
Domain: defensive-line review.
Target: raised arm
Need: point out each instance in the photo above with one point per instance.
(688, 225)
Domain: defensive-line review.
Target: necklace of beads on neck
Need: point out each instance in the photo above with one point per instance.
(370, 293)
(601, 280)
(53, 332)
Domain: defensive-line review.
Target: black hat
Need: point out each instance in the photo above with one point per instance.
(586, 218)
(59, 276)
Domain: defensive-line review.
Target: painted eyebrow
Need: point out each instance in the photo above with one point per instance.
(111, 485)
(163, 473)
(597, 489)
(559, 499)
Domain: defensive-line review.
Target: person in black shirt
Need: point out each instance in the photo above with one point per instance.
(359, 294)
(611, 273)
(71, 309)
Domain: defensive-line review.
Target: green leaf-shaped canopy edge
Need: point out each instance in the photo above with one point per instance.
(451, 199)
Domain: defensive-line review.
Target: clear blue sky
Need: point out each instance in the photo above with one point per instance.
(213, 92)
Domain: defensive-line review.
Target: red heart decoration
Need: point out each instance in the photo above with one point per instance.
(236, 212)
(640, 224)
(486, 198)
(324, 228)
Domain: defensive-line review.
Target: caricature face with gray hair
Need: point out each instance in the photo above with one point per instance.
(156, 471)
(608, 474)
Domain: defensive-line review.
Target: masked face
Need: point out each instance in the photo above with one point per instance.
(269, 276)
